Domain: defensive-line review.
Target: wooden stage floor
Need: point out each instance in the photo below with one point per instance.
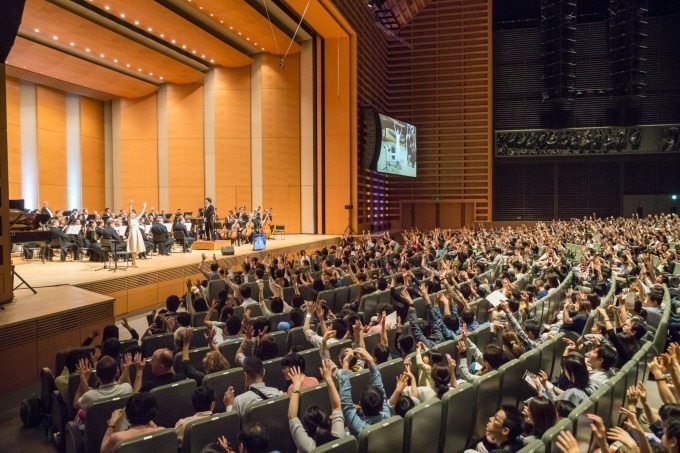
(158, 269)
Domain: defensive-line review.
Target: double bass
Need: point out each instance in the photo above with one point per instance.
(266, 227)
(235, 228)
(248, 231)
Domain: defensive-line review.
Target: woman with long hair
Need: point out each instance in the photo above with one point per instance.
(540, 415)
(576, 371)
(316, 427)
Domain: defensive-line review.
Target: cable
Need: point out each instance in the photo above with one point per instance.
(296, 30)
(271, 27)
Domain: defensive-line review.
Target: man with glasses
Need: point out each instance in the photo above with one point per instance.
(502, 432)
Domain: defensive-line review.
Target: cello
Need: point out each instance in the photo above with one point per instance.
(248, 231)
(266, 227)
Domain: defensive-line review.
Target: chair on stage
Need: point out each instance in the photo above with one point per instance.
(279, 230)
(113, 254)
(159, 241)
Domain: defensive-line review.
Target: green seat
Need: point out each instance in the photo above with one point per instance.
(312, 362)
(273, 374)
(386, 436)
(346, 444)
(220, 381)
(314, 396)
(195, 358)
(581, 423)
(201, 432)
(421, 427)
(163, 440)
(280, 338)
(618, 384)
(488, 388)
(389, 372)
(174, 402)
(602, 398)
(97, 416)
(273, 414)
(511, 382)
(335, 348)
(296, 337)
(229, 348)
(359, 381)
(536, 446)
(550, 436)
(457, 421)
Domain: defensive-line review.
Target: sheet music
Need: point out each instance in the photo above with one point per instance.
(168, 226)
(120, 230)
(72, 229)
(188, 225)
(147, 228)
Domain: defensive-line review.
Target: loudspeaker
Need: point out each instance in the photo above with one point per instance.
(227, 250)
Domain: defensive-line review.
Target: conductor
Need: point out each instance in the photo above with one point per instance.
(209, 219)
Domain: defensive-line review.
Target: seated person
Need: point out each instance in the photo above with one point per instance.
(107, 371)
(503, 432)
(140, 411)
(162, 370)
(294, 361)
(253, 374)
(203, 401)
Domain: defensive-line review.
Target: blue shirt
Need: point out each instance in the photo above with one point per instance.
(354, 422)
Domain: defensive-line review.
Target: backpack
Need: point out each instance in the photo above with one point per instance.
(30, 411)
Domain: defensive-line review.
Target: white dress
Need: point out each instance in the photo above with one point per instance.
(135, 238)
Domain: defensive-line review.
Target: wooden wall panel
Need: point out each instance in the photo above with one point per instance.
(281, 140)
(51, 116)
(337, 134)
(139, 151)
(185, 147)
(232, 138)
(13, 137)
(92, 153)
(426, 215)
(443, 86)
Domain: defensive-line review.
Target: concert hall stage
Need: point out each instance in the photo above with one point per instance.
(73, 298)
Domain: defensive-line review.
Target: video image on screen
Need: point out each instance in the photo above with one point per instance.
(397, 148)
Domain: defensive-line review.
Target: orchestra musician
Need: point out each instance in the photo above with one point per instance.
(66, 245)
(92, 243)
(159, 231)
(179, 225)
(46, 210)
(209, 219)
(110, 233)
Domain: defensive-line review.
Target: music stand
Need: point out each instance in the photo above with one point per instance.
(90, 217)
(72, 230)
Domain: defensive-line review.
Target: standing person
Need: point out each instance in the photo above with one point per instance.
(135, 238)
(209, 219)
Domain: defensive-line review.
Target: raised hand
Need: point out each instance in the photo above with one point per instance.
(84, 369)
(327, 370)
(566, 442)
(296, 377)
(229, 396)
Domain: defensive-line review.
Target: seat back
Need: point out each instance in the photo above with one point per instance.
(47, 386)
(602, 398)
(273, 375)
(550, 436)
(273, 414)
(280, 338)
(221, 381)
(327, 296)
(422, 426)
(536, 446)
(618, 385)
(229, 349)
(316, 395)
(457, 422)
(163, 440)
(359, 381)
(97, 417)
(73, 384)
(312, 362)
(152, 343)
(354, 291)
(296, 337)
(206, 430)
(531, 361)
(389, 372)
(274, 320)
(335, 348)
(174, 402)
(198, 318)
(198, 339)
(386, 436)
(448, 347)
(483, 334)
(195, 358)
(511, 382)
(488, 387)
(581, 422)
(341, 297)
(346, 444)
(369, 305)
(60, 358)
(214, 287)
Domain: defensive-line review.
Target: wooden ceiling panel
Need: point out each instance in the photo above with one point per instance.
(241, 19)
(50, 62)
(405, 10)
(157, 20)
(52, 20)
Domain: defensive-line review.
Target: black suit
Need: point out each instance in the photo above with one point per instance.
(161, 238)
(209, 215)
(112, 235)
(57, 233)
(46, 211)
(188, 240)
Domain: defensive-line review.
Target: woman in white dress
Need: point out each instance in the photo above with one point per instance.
(135, 238)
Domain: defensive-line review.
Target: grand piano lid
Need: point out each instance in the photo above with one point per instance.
(21, 220)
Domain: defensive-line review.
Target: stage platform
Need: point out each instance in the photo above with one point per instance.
(155, 279)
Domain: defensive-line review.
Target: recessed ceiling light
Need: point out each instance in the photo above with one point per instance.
(255, 44)
(136, 22)
(122, 15)
(221, 21)
(212, 61)
(173, 41)
(115, 60)
(193, 51)
(202, 56)
(162, 76)
(263, 48)
(55, 37)
(231, 28)
(87, 49)
(162, 35)
(151, 73)
(101, 55)
(239, 33)
(150, 29)
(200, 7)
(37, 30)
(247, 39)
(72, 44)
(139, 69)
(128, 65)
(211, 14)
(184, 46)
(107, 7)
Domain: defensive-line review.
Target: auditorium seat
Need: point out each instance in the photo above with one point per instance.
(602, 398)
(386, 436)
(457, 422)
(229, 348)
(314, 396)
(197, 318)
(371, 340)
(347, 444)
(511, 382)
(312, 362)
(581, 422)
(273, 414)
(198, 339)
(163, 440)
(422, 426)
(487, 401)
(159, 341)
(288, 293)
(536, 446)
(127, 344)
(420, 306)
(273, 375)
(390, 371)
(296, 337)
(275, 319)
(448, 347)
(341, 298)
(174, 402)
(618, 384)
(73, 384)
(547, 349)
(60, 357)
(550, 437)
(327, 296)
(89, 440)
(335, 348)
(531, 361)
(354, 291)
(359, 381)
(280, 338)
(195, 358)
(201, 432)
(368, 305)
(221, 381)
